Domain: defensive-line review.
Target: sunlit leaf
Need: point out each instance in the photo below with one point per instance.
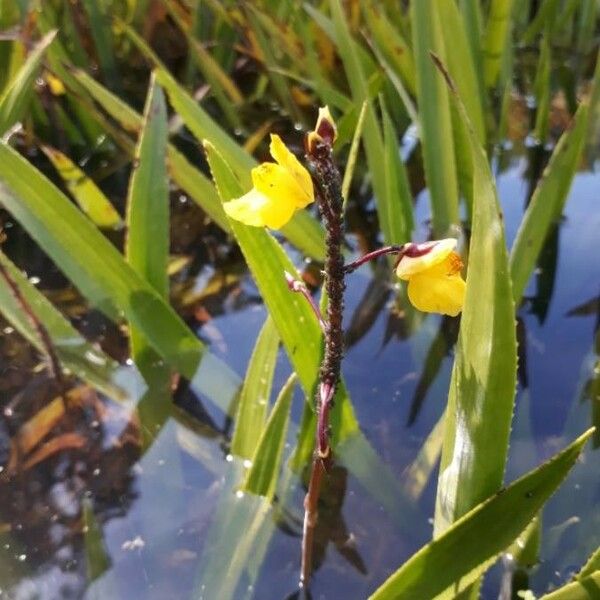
(87, 194)
(262, 476)
(586, 588)
(86, 361)
(482, 389)
(389, 207)
(353, 154)
(256, 391)
(96, 267)
(494, 38)
(435, 122)
(547, 202)
(480, 535)
(15, 98)
(147, 251)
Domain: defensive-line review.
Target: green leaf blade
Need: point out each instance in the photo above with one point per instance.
(266, 462)
(83, 359)
(435, 120)
(256, 390)
(100, 272)
(15, 97)
(481, 534)
(482, 388)
(547, 202)
(86, 193)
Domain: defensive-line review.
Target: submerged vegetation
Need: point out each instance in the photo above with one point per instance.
(134, 215)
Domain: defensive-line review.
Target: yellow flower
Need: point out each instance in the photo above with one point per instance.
(279, 190)
(433, 270)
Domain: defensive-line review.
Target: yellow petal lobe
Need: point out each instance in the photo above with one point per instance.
(426, 256)
(258, 210)
(285, 159)
(439, 289)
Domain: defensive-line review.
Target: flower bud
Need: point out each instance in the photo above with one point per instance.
(325, 131)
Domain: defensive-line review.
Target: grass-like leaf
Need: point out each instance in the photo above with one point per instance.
(255, 393)
(147, 251)
(389, 207)
(266, 462)
(494, 39)
(96, 555)
(14, 100)
(86, 193)
(481, 534)
(435, 122)
(83, 359)
(586, 588)
(100, 272)
(547, 202)
(482, 389)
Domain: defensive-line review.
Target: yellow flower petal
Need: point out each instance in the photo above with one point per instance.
(279, 189)
(440, 288)
(275, 182)
(279, 151)
(248, 208)
(445, 295)
(258, 210)
(425, 256)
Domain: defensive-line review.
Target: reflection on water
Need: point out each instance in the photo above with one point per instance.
(121, 507)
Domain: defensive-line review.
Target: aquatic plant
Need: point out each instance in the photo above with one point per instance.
(424, 96)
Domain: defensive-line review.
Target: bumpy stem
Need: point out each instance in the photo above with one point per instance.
(327, 180)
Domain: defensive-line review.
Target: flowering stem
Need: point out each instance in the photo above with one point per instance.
(298, 286)
(352, 266)
(328, 184)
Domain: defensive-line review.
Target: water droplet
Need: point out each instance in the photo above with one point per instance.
(239, 494)
(8, 330)
(229, 458)
(247, 463)
(34, 280)
(22, 557)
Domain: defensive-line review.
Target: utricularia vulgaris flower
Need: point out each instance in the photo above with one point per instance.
(283, 187)
(432, 270)
(280, 189)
